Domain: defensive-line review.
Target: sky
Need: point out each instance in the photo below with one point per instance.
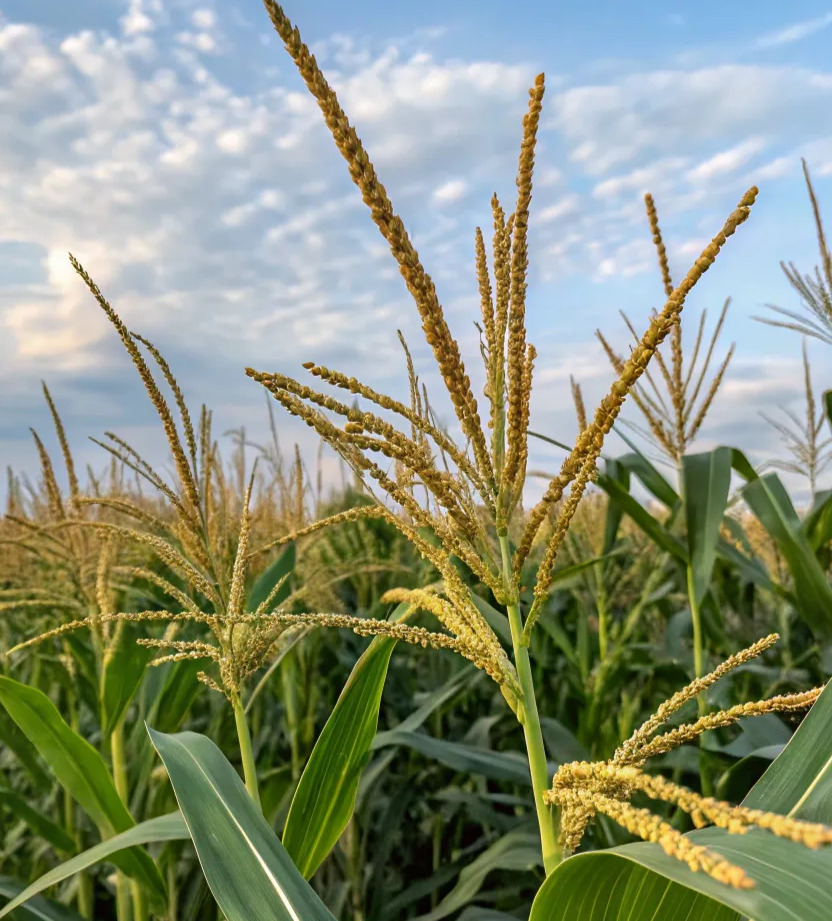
(172, 147)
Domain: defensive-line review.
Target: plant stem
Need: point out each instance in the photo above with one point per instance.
(603, 613)
(244, 737)
(698, 669)
(123, 909)
(86, 895)
(698, 642)
(698, 664)
(530, 720)
(173, 891)
(289, 683)
(436, 862)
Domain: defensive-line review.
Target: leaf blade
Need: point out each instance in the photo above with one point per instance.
(246, 867)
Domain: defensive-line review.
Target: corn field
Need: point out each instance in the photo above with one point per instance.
(226, 695)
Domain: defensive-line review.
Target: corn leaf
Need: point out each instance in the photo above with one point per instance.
(325, 797)
(283, 566)
(770, 502)
(246, 867)
(179, 690)
(50, 831)
(651, 526)
(817, 523)
(517, 850)
(124, 667)
(80, 770)
(468, 759)
(706, 480)
(639, 882)
(170, 827)
(26, 753)
(39, 909)
(799, 781)
(649, 475)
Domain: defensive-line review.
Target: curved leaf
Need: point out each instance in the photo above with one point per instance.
(791, 882)
(510, 766)
(706, 480)
(80, 770)
(170, 827)
(734, 782)
(612, 520)
(639, 881)
(650, 525)
(770, 502)
(817, 522)
(325, 797)
(40, 824)
(246, 867)
(283, 566)
(517, 850)
(27, 755)
(179, 690)
(40, 908)
(638, 464)
(799, 782)
(124, 666)
(610, 888)
(467, 677)
(753, 570)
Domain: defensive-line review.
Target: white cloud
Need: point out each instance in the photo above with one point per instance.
(641, 180)
(233, 141)
(565, 207)
(655, 113)
(219, 220)
(450, 191)
(727, 161)
(202, 41)
(140, 17)
(774, 169)
(203, 19)
(793, 33)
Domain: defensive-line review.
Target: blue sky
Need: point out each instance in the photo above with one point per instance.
(173, 148)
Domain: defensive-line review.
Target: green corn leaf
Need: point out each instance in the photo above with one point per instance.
(124, 667)
(639, 882)
(650, 525)
(246, 867)
(80, 770)
(770, 502)
(468, 759)
(799, 781)
(517, 850)
(283, 566)
(638, 464)
(178, 692)
(26, 753)
(55, 834)
(817, 523)
(706, 480)
(170, 827)
(467, 677)
(325, 798)
(613, 470)
(39, 909)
